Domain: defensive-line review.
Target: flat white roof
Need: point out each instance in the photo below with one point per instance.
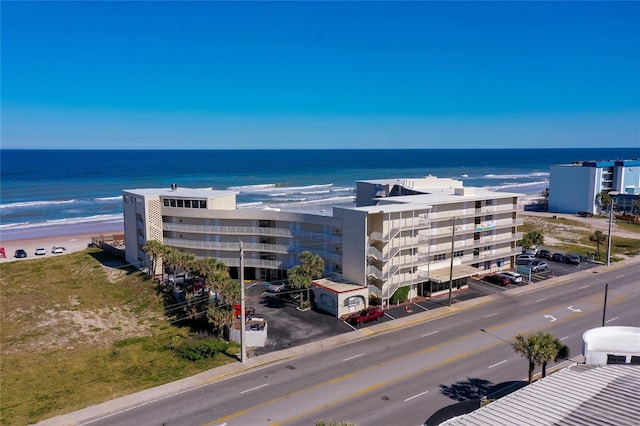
(626, 339)
(438, 196)
(181, 192)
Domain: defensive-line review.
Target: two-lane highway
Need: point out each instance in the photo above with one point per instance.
(404, 376)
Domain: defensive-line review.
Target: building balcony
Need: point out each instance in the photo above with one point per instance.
(250, 231)
(226, 246)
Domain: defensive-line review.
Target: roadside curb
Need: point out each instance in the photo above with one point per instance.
(157, 393)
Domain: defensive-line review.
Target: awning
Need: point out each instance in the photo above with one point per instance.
(444, 274)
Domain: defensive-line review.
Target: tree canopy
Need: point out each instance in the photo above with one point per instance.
(540, 348)
(311, 267)
(598, 237)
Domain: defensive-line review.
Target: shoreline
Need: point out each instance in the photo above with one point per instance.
(74, 237)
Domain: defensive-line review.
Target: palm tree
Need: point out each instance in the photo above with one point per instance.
(530, 348)
(540, 348)
(300, 276)
(153, 249)
(598, 237)
(603, 199)
(554, 350)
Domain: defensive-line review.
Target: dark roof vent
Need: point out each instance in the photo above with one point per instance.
(174, 186)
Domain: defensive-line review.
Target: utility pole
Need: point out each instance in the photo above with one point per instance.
(243, 334)
(604, 308)
(612, 195)
(609, 237)
(453, 240)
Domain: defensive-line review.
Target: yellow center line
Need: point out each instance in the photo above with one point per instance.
(454, 358)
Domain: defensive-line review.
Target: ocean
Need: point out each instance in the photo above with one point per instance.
(63, 192)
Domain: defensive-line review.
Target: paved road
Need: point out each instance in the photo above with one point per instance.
(399, 375)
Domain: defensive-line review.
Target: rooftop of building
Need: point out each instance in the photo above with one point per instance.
(180, 192)
(577, 395)
(435, 197)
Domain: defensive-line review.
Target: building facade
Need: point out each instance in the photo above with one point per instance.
(574, 187)
(419, 233)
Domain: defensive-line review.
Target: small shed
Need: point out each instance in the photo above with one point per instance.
(338, 296)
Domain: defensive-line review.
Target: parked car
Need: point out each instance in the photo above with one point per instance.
(41, 251)
(514, 277)
(524, 259)
(20, 253)
(538, 265)
(279, 288)
(557, 257)
(58, 249)
(572, 258)
(585, 214)
(498, 279)
(544, 254)
(365, 315)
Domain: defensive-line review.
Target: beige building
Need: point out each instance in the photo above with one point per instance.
(416, 233)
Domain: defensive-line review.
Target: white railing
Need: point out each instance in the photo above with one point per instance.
(226, 246)
(250, 230)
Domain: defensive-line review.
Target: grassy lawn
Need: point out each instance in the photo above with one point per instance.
(572, 236)
(75, 332)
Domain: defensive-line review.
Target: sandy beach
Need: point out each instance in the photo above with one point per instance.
(71, 241)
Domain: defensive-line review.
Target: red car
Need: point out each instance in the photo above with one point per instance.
(365, 315)
(498, 279)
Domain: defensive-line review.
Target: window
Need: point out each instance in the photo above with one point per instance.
(439, 257)
(203, 204)
(616, 359)
(458, 253)
(173, 203)
(165, 202)
(180, 203)
(635, 360)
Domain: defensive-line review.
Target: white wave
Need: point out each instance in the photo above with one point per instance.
(257, 189)
(529, 187)
(103, 218)
(315, 192)
(252, 188)
(517, 176)
(278, 194)
(35, 204)
(108, 198)
(248, 205)
(343, 189)
(330, 200)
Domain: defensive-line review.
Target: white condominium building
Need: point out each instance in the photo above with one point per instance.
(575, 186)
(419, 233)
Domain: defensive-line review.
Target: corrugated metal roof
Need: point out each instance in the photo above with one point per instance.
(580, 395)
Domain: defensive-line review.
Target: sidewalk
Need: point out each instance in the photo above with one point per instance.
(202, 379)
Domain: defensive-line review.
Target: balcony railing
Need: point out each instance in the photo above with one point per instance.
(226, 246)
(250, 230)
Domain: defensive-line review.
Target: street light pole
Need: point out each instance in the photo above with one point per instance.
(453, 240)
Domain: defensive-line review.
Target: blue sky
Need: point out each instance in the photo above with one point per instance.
(218, 75)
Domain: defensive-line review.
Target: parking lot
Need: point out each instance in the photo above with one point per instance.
(288, 327)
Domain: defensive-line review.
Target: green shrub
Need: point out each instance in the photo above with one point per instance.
(400, 295)
(201, 349)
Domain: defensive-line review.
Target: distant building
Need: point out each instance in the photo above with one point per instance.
(574, 187)
(419, 233)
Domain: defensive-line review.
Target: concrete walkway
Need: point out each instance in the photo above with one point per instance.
(219, 373)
